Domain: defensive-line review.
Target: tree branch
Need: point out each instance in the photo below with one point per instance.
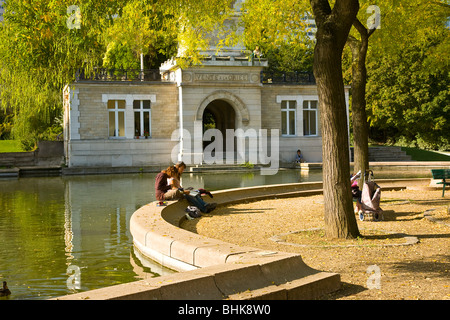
(371, 31)
(360, 27)
(321, 10)
(344, 9)
(336, 21)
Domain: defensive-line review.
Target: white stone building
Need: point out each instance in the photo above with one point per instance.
(158, 118)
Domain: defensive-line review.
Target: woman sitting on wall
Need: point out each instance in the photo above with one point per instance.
(167, 187)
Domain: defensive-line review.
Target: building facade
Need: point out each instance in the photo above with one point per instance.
(120, 119)
(117, 122)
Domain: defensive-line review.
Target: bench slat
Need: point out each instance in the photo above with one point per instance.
(441, 174)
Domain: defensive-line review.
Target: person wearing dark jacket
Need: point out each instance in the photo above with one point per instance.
(165, 190)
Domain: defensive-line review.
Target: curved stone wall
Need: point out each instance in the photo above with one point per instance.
(215, 269)
(156, 233)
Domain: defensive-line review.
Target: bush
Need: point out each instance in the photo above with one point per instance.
(51, 134)
(5, 131)
(28, 142)
(441, 143)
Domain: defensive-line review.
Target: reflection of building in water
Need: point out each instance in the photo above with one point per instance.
(73, 231)
(102, 207)
(68, 234)
(97, 215)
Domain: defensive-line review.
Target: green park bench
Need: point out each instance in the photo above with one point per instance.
(442, 174)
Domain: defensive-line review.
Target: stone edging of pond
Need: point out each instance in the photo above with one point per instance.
(213, 269)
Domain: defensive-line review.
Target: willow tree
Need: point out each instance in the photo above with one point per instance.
(164, 28)
(43, 44)
(39, 52)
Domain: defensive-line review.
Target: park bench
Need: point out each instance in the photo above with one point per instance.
(442, 174)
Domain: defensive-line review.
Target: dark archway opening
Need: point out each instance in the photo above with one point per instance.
(219, 115)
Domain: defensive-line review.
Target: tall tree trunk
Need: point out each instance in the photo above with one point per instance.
(359, 80)
(359, 116)
(333, 27)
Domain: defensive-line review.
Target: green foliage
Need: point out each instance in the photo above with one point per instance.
(289, 57)
(408, 62)
(209, 121)
(407, 92)
(248, 165)
(143, 27)
(201, 24)
(280, 29)
(52, 133)
(119, 56)
(43, 44)
(39, 54)
(5, 125)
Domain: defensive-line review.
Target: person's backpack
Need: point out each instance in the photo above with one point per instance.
(192, 212)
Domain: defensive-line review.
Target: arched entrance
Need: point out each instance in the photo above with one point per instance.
(221, 110)
(220, 115)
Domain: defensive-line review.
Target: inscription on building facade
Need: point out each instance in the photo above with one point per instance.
(221, 77)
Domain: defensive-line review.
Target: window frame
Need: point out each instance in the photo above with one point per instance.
(141, 111)
(290, 106)
(307, 118)
(116, 112)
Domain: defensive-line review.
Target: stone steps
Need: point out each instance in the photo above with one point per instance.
(17, 159)
(386, 154)
(277, 277)
(221, 167)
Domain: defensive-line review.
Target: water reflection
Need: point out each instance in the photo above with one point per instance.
(52, 225)
(49, 224)
(229, 180)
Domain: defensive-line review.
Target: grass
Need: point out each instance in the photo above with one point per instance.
(10, 146)
(425, 155)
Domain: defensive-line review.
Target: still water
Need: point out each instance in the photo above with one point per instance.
(57, 229)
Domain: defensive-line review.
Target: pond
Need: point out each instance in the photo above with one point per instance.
(57, 229)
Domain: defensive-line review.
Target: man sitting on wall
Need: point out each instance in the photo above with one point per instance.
(299, 157)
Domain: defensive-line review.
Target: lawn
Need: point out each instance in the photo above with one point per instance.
(425, 155)
(10, 146)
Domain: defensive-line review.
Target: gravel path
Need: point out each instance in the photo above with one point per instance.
(376, 266)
